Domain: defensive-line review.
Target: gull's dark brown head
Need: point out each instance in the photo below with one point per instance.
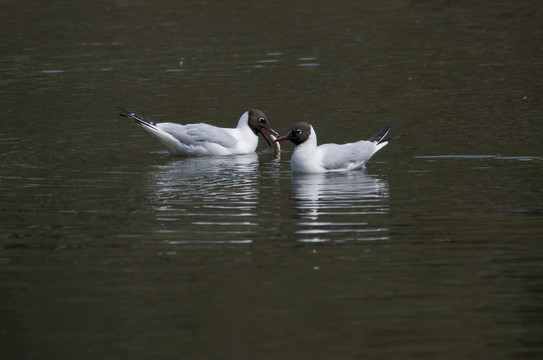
(298, 134)
(258, 121)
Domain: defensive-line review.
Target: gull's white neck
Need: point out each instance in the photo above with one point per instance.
(247, 139)
(306, 157)
(243, 121)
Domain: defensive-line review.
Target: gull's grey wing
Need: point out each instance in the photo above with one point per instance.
(350, 155)
(197, 134)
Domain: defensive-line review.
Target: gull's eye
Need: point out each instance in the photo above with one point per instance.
(262, 120)
(297, 131)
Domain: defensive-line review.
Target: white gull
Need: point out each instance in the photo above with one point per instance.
(205, 139)
(310, 158)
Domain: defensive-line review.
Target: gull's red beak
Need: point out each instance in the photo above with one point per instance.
(264, 135)
(282, 138)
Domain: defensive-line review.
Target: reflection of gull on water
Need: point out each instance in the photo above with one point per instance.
(339, 206)
(203, 199)
(196, 173)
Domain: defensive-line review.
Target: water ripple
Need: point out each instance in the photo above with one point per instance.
(322, 198)
(498, 157)
(207, 199)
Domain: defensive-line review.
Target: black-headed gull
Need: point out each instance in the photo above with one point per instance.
(204, 139)
(310, 158)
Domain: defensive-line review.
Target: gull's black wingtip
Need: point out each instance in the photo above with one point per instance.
(134, 116)
(377, 138)
(124, 110)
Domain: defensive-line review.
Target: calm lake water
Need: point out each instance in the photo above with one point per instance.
(112, 249)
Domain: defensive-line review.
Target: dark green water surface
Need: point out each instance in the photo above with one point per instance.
(112, 249)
